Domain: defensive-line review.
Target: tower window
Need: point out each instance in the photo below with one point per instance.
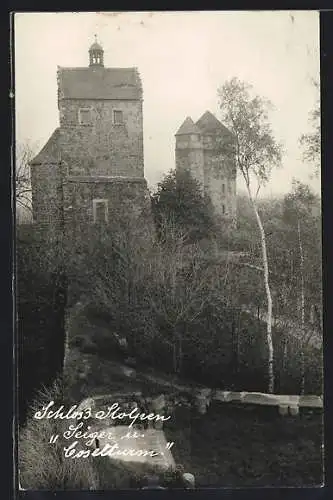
(85, 116)
(223, 188)
(118, 118)
(223, 208)
(100, 211)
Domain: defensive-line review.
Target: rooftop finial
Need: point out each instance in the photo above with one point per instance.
(96, 54)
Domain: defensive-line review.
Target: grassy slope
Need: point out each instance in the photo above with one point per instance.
(229, 446)
(249, 446)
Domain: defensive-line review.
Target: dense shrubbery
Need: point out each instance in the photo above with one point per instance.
(186, 307)
(178, 202)
(181, 313)
(179, 303)
(41, 297)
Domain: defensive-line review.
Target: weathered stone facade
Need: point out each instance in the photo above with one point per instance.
(47, 194)
(92, 168)
(102, 148)
(199, 149)
(127, 199)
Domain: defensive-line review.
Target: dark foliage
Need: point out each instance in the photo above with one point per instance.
(178, 201)
(41, 298)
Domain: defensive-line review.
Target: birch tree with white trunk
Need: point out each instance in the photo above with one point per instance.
(256, 152)
(298, 207)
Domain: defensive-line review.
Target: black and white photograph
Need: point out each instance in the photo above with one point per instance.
(169, 316)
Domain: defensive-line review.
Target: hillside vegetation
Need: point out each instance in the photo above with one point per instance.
(187, 303)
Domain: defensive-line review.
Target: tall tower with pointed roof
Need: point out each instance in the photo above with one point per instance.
(198, 150)
(189, 150)
(91, 171)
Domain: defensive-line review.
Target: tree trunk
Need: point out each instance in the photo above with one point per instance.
(302, 306)
(174, 354)
(285, 355)
(284, 371)
(177, 350)
(268, 296)
(318, 319)
(235, 347)
(180, 355)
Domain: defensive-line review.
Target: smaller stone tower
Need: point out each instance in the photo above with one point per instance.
(199, 149)
(189, 151)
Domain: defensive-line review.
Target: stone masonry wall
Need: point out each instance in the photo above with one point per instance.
(220, 184)
(47, 197)
(214, 172)
(102, 148)
(128, 203)
(192, 161)
(189, 156)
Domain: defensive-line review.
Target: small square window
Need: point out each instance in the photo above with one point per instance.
(85, 116)
(100, 211)
(118, 118)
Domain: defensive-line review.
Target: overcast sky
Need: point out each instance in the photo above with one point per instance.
(182, 59)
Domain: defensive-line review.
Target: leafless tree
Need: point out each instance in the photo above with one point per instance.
(256, 153)
(298, 206)
(310, 142)
(24, 154)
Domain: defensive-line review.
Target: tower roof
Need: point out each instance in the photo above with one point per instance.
(50, 153)
(208, 124)
(104, 83)
(95, 46)
(188, 127)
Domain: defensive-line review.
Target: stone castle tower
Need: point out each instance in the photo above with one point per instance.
(198, 150)
(91, 170)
